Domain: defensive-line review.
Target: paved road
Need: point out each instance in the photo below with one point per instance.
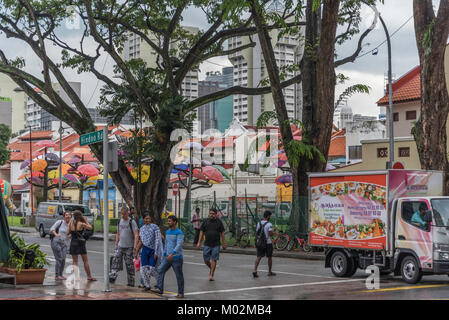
(295, 279)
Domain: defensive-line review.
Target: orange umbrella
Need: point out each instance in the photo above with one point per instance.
(81, 151)
(23, 176)
(65, 168)
(39, 165)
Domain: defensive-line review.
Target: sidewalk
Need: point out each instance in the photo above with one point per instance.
(57, 290)
(189, 246)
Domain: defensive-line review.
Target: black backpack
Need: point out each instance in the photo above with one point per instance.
(261, 238)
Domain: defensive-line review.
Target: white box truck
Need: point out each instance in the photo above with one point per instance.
(397, 220)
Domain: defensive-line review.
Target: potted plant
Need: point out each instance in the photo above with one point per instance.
(26, 262)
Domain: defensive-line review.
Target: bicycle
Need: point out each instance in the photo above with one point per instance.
(299, 241)
(280, 239)
(243, 240)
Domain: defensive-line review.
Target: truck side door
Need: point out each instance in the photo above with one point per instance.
(411, 236)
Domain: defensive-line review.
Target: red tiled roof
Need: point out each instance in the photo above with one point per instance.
(337, 146)
(406, 88)
(36, 135)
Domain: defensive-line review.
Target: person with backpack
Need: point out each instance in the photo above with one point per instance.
(264, 246)
(59, 242)
(126, 240)
(212, 228)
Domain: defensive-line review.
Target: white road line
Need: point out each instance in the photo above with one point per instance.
(273, 287)
(299, 274)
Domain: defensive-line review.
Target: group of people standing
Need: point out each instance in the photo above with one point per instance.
(155, 257)
(70, 229)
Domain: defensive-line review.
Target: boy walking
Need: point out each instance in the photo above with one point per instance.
(172, 257)
(212, 228)
(126, 241)
(266, 227)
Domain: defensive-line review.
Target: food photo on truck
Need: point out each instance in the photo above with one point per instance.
(397, 220)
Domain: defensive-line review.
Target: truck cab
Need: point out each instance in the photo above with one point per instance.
(421, 237)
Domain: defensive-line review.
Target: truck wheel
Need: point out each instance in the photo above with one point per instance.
(410, 271)
(41, 231)
(352, 267)
(340, 264)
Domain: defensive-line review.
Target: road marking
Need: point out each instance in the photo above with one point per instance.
(273, 287)
(299, 274)
(404, 288)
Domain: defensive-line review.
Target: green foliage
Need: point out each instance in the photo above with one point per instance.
(357, 88)
(5, 134)
(18, 261)
(428, 38)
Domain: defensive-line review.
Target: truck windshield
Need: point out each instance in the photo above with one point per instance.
(441, 212)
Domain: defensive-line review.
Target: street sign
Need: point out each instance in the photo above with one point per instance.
(91, 137)
(175, 189)
(398, 165)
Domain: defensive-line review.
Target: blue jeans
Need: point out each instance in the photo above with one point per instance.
(177, 268)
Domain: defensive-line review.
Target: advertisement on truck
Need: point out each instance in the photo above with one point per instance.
(349, 211)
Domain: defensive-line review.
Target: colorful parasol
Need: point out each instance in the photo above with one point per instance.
(284, 179)
(39, 165)
(74, 160)
(223, 171)
(213, 173)
(71, 178)
(88, 170)
(199, 175)
(25, 164)
(144, 173)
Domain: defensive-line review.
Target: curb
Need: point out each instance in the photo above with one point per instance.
(23, 229)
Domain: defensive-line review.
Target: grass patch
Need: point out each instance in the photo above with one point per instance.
(16, 222)
(98, 226)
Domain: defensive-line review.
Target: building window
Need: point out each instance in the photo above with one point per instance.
(396, 116)
(382, 152)
(355, 152)
(410, 115)
(404, 152)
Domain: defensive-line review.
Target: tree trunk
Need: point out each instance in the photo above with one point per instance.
(430, 132)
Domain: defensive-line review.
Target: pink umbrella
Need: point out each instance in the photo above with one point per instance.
(88, 170)
(45, 143)
(198, 174)
(213, 174)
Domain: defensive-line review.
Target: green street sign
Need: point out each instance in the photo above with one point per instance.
(91, 137)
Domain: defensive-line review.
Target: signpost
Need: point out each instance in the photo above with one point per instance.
(175, 193)
(90, 138)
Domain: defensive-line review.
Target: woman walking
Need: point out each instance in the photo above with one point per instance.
(151, 243)
(58, 235)
(78, 243)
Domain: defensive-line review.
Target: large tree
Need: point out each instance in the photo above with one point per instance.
(317, 69)
(154, 90)
(430, 131)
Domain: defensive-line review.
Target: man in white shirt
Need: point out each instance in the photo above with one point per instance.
(268, 248)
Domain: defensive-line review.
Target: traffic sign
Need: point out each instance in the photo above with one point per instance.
(398, 165)
(175, 189)
(91, 137)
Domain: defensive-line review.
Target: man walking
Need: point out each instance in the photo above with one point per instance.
(126, 241)
(265, 230)
(172, 257)
(196, 224)
(212, 228)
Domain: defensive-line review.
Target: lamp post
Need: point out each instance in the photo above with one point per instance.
(60, 131)
(390, 86)
(31, 176)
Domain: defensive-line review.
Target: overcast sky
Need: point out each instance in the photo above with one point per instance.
(369, 69)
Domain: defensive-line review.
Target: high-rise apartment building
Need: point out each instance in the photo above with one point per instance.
(250, 71)
(216, 114)
(13, 104)
(135, 47)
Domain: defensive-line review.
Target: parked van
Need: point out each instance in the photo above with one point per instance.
(50, 212)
